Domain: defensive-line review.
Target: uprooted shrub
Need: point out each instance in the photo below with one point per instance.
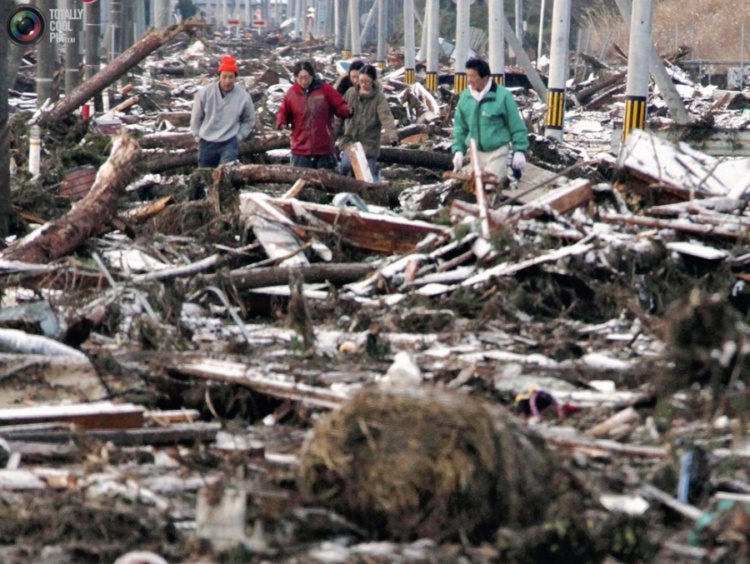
(413, 463)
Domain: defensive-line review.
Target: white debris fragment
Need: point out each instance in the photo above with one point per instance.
(403, 373)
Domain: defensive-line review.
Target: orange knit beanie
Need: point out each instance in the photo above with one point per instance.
(228, 64)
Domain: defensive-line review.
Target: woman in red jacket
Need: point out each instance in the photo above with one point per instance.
(309, 107)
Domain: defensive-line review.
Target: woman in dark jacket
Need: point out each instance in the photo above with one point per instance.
(370, 115)
(309, 106)
(350, 78)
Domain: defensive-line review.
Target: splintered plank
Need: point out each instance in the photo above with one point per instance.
(562, 200)
(274, 385)
(379, 233)
(182, 433)
(100, 415)
(358, 159)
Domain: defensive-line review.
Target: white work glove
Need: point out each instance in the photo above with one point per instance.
(458, 161)
(519, 161)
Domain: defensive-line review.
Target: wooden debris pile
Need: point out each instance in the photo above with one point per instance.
(174, 338)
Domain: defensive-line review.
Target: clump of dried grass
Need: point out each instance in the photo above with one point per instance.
(417, 463)
(707, 342)
(711, 28)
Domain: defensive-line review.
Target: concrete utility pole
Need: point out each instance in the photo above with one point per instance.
(92, 17)
(336, 24)
(409, 42)
(463, 11)
(519, 22)
(139, 20)
(558, 71)
(380, 60)
(354, 23)
(433, 31)
(541, 35)
(658, 72)
(347, 54)
(639, 53)
(160, 13)
(73, 52)
(46, 57)
(496, 36)
(115, 17)
(128, 19)
(299, 18)
(423, 38)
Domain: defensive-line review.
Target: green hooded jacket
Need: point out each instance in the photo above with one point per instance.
(492, 123)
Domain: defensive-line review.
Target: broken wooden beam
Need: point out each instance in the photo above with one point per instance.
(412, 157)
(98, 207)
(283, 174)
(162, 163)
(562, 200)
(379, 233)
(359, 163)
(248, 278)
(98, 415)
(182, 433)
(114, 70)
(484, 222)
(265, 382)
(730, 229)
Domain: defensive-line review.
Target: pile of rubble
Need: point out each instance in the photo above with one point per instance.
(264, 363)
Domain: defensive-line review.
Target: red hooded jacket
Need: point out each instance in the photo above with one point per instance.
(311, 115)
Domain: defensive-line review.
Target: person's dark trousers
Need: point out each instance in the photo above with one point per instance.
(212, 154)
(315, 161)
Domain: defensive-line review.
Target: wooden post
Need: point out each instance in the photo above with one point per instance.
(359, 162)
(479, 186)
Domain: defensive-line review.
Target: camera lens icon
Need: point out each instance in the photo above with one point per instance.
(26, 25)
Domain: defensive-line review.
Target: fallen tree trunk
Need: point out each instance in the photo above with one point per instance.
(427, 159)
(337, 274)
(114, 70)
(330, 181)
(190, 158)
(97, 208)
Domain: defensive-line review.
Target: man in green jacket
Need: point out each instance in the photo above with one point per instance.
(487, 113)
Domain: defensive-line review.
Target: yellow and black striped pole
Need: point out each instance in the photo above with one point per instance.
(409, 43)
(555, 108)
(639, 52)
(558, 69)
(380, 65)
(461, 52)
(499, 79)
(431, 81)
(346, 55)
(635, 114)
(459, 82)
(432, 15)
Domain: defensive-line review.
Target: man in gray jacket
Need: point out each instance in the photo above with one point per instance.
(223, 115)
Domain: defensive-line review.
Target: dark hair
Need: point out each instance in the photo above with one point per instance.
(370, 71)
(306, 66)
(355, 65)
(481, 67)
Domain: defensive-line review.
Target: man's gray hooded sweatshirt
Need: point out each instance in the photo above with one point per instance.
(218, 118)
